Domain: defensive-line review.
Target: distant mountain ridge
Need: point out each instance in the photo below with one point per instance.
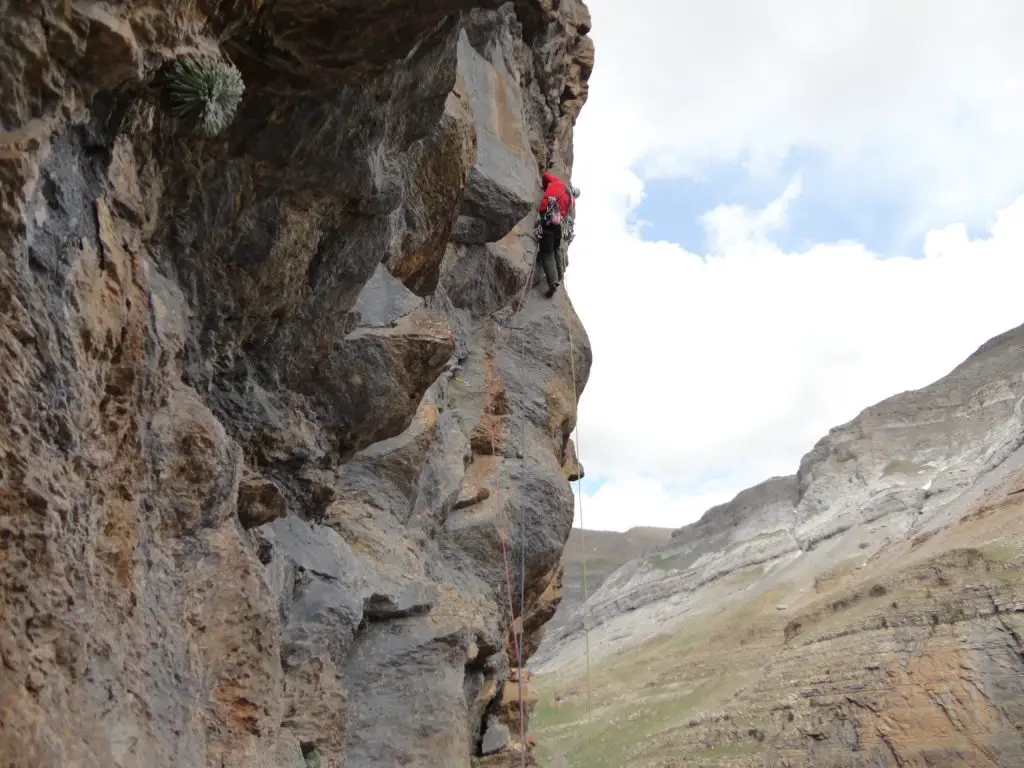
(866, 610)
(606, 552)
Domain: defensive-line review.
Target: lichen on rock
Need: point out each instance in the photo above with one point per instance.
(246, 517)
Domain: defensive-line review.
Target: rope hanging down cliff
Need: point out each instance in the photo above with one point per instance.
(517, 636)
(518, 625)
(579, 495)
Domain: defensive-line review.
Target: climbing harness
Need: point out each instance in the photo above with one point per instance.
(567, 222)
(568, 230)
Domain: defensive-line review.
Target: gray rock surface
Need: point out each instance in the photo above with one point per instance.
(502, 183)
(496, 737)
(251, 510)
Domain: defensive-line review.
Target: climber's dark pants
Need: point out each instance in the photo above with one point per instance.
(550, 257)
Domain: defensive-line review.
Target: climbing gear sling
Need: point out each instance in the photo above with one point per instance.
(552, 215)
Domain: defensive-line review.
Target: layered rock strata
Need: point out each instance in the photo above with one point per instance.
(906, 466)
(866, 611)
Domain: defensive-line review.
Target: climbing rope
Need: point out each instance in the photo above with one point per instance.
(516, 636)
(511, 606)
(508, 586)
(522, 530)
(519, 636)
(579, 495)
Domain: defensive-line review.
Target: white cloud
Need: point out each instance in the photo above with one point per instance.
(732, 227)
(637, 500)
(714, 371)
(904, 92)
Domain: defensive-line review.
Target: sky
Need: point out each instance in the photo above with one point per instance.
(789, 212)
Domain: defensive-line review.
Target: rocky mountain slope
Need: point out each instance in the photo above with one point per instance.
(265, 404)
(866, 611)
(607, 551)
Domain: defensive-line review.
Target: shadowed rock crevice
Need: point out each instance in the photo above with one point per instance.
(247, 515)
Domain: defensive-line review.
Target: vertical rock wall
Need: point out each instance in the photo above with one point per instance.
(267, 415)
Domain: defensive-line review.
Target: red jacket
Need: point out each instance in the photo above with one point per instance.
(555, 187)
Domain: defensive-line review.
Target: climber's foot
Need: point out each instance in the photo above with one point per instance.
(552, 289)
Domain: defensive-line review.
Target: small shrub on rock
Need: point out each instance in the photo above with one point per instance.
(205, 92)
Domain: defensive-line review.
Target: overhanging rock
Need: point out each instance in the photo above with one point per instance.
(504, 181)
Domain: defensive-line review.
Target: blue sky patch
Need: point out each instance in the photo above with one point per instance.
(591, 483)
(834, 204)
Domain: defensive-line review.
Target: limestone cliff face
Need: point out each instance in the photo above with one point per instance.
(866, 611)
(251, 510)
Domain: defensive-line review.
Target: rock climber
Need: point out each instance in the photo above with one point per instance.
(557, 211)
